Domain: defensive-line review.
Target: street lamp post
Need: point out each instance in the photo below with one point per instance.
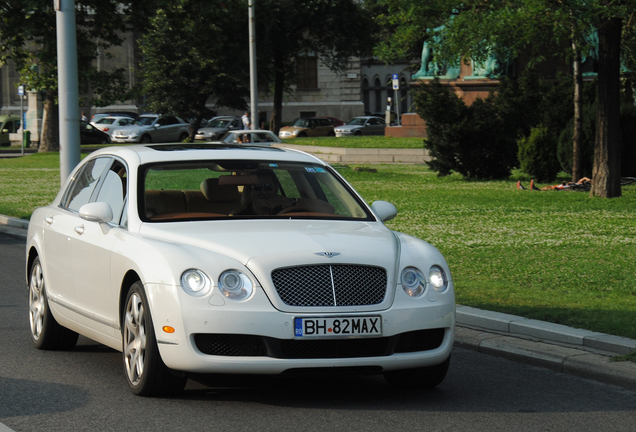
(67, 87)
(253, 80)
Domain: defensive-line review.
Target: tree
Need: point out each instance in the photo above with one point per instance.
(511, 27)
(335, 30)
(476, 28)
(28, 37)
(193, 51)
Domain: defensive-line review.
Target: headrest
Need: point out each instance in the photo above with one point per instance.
(214, 192)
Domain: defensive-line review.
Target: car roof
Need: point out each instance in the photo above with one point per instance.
(152, 153)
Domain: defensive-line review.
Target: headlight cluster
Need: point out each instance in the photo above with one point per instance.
(295, 132)
(414, 282)
(233, 284)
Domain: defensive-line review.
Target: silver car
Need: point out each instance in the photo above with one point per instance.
(111, 123)
(217, 128)
(365, 125)
(153, 128)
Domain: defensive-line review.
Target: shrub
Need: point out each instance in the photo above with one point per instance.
(468, 140)
(537, 154)
(565, 145)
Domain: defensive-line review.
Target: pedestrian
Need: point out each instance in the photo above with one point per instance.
(84, 118)
(246, 121)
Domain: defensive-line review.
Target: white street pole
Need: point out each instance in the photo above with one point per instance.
(253, 80)
(67, 87)
(21, 93)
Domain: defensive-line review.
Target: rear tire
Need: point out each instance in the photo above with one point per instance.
(146, 373)
(183, 137)
(46, 333)
(425, 377)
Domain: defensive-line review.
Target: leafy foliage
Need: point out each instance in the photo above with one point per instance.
(537, 154)
(471, 140)
(192, 52)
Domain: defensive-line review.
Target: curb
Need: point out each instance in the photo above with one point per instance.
(554, 346)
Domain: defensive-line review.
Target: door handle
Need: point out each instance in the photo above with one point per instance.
(79, 229)
(48, 220)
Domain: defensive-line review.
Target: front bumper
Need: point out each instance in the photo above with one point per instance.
(257, 320)
(125, 140)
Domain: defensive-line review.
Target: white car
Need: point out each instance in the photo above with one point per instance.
(153, 128)
(260, 137)
(111, 123)
(220, 259)
(218, 127)
(365, 125)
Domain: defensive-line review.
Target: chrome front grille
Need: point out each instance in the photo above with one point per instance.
(331, 285)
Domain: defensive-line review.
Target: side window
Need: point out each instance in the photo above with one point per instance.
(82, 186)
(168, 120)
(113, 189)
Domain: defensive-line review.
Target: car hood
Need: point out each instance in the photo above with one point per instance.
(263, 246)
(208, 130)
(349, 127)
(283, 242)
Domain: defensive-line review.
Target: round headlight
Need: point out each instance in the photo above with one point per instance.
(195, 282)
(413, 282)
(295, 132)
(438, 279)
(235, 285)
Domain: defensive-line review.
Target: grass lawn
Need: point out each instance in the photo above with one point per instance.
(557, 256)
(360, 142)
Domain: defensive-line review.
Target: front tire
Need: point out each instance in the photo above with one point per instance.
(146, 373)
(425, 377)
(46, 333)
(145, 139)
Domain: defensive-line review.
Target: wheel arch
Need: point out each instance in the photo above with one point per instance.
(129, 279)
(31, 256)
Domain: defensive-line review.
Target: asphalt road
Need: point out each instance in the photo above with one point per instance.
(85, 390)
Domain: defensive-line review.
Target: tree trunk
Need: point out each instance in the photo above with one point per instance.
(606, 173)
(578, 112)
(279, 86)
(50, 139)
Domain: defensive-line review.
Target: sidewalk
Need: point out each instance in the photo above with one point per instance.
(553, 346)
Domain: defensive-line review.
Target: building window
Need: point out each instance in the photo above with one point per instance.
(366, 96)
(404, 103)
(378, 95)
(307, 72)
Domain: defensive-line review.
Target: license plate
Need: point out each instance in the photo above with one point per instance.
(338, 326)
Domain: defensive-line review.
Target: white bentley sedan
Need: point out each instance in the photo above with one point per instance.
(233, 259)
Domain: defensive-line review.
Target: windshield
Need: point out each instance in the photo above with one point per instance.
(218, 123)
(300, 122)
(239, 189)
(146, 121)
(357, 121)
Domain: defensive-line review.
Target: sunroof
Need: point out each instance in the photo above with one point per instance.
(202, 146)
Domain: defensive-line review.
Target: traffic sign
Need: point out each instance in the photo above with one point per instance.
(396, 82)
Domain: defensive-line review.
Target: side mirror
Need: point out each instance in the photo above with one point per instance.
(96, 212)
(384, 210)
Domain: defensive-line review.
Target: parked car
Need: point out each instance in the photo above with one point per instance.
(89, 134)
(8, 124)
(335, 121)
(365, 125)
(98, 116)
(153, 128)
(229, 259)
(217, 128)
(307, 127)
(260, 137)
(110, 124)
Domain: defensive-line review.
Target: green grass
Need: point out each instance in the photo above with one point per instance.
(557, 256)
(360, 142)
